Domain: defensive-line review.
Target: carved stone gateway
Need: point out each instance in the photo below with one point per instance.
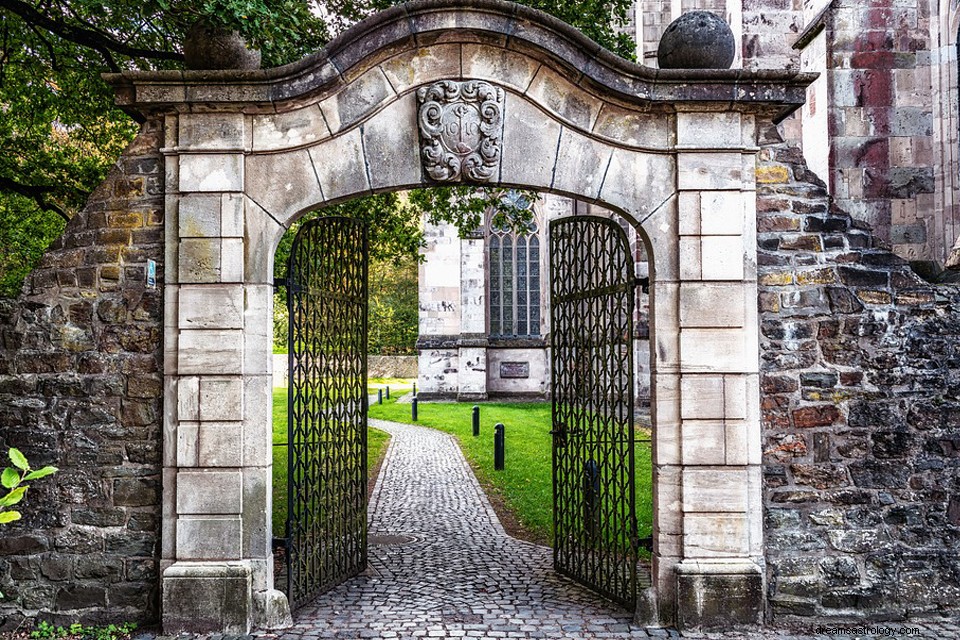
(460, 129)
(485, 93)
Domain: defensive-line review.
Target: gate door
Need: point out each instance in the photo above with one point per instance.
(327, 407)
(592, 301)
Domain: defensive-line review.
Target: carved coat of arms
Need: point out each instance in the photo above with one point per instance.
(460, 130)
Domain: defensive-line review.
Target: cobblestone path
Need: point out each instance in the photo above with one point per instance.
(441, 566)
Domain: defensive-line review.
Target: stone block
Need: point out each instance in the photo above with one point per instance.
(689, 213)
(207, 598)
(210, 351)
(209, 493)
(722, 213)
(297, 128)
(341, 166)
(718, 596)
(211, 172)
(393, 152)
(258, 334)
(691, 267)
(505, 67)
(258, 503)
(232, 265)
(221, 398)
(710, 171)
(565, 100)
(715, 535)
(199, 216)
(210, 307)
(284, 184)
(220, 444)
(718, 130)
(636, 129)
(530, 143)
(199, 260)
(257, 425)
(715, 490)
(188, 398)
(639, 183)
(423, 66)
(720, 350)
(701, 397)
(703, 442)
(231, 215)
(213, 131)
(581, 165)
(358, 100)
(712, 305)
(188, 438)
(722, 257)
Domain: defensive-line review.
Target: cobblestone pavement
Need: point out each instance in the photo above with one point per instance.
(441, 566)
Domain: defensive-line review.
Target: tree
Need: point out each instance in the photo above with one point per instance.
(59, 130)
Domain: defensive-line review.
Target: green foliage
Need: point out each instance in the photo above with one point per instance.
(47, 631)
(393, 308)
(13, 479)
(60, 130)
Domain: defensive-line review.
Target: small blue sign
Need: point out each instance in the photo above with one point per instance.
(151, 274)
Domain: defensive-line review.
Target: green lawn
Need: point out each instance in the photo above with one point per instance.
(525, 485)
(376, 446)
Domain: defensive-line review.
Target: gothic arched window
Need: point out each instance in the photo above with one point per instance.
(514, 282)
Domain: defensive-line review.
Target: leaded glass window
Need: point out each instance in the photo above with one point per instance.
(514, 282)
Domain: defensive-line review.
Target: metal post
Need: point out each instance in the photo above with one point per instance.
(498, 447)
(388, 392)
(476, 421)
(413, 409)
(379, 396)
(414, 388)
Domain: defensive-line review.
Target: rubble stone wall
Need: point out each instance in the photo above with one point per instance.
(80, 388)
(860, 379)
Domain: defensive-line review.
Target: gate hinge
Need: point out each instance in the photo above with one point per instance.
(279, 282)
(643, 283)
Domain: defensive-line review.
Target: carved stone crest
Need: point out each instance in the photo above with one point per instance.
(461, 125)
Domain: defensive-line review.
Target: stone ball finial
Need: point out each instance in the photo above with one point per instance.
(697, 40)
(211, 47)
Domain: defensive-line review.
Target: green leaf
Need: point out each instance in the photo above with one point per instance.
(9, 516)
(13, 497)
(10, 478)
(18, 459)
(40, 473)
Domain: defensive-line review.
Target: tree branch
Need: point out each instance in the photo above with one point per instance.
(37, 193)
(84, 37)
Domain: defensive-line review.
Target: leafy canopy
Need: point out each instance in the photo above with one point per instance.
(60, 131)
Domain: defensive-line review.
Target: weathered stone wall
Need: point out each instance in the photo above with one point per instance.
(80, 388)
(861, 414)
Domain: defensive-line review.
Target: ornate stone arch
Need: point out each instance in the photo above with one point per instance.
(247, 153)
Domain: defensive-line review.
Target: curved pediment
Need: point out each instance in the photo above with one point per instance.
(436, 39)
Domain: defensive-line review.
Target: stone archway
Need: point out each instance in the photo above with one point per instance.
(248, 152)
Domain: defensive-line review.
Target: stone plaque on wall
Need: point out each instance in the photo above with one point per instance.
(514, 369)
(460, 129)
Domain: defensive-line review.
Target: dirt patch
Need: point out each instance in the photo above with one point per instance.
(507, 518)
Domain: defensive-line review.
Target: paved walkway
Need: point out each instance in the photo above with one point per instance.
(441, 566)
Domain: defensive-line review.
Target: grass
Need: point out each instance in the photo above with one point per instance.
(525, 486)
(376, 448)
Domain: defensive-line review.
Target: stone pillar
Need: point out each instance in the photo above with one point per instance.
(473, 319)
(716, 474)
(217, 559)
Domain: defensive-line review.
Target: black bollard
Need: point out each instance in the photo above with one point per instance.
(379, 396)
(476, 421)
(414, 388)
(498, 447)
(388, 393)
(413, 409)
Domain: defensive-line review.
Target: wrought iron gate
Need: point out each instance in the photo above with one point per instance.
(594, 502)
(326, 525)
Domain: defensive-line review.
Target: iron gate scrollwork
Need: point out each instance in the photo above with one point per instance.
(327, 407)
(592, 304)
